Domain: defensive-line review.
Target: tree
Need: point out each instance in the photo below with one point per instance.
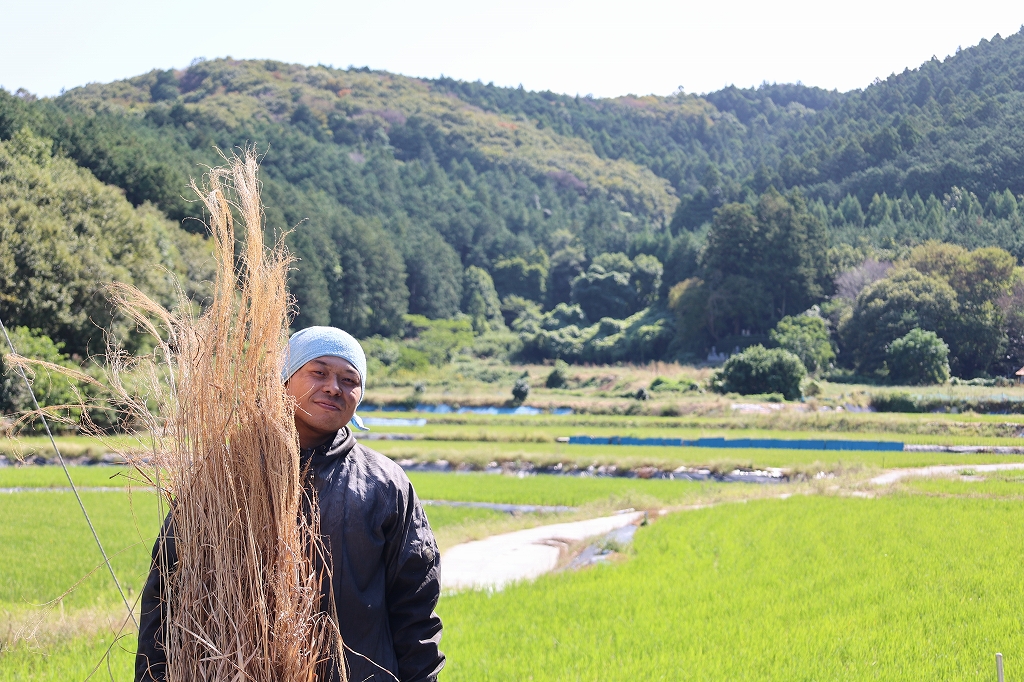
(64, 236)
(604, 294)
(891, 307)
(917, 358)
(980, 278)
(1012, 307)
(435, 276)
(688, 300)
(516, 277)
(806, 336)
(647, 273)
(480, 300)
(615, 286)
(761, 370)
(762, 262)
(566, 264)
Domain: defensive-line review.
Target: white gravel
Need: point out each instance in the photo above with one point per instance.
(496, 561)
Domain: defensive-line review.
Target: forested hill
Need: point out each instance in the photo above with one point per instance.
(401, 187)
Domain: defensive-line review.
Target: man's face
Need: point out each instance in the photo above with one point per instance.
(327, 391)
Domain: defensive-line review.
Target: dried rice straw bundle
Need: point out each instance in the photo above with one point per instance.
(245, 595)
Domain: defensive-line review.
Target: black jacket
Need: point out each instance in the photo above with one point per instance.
(385, 568)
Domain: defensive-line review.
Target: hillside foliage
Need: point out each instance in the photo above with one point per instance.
(557, 227)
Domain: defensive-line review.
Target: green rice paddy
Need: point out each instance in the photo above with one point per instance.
(922, 582)
(809, 588)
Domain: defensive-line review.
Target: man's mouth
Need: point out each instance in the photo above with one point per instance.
(327, 406)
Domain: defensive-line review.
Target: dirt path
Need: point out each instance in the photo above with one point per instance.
(496, 561)
(942, 470)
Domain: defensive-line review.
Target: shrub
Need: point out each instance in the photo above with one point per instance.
(559, 376)
(480, 301)
(894, 402)
(393, 355)
(521, 390)
(919, 357)
(761, 370)
(501, 345)
(51, 388)
(439, 340)
(661, 384)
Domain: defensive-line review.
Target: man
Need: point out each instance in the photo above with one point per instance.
(384, 560)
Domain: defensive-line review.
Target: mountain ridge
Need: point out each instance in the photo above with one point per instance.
(398, 187)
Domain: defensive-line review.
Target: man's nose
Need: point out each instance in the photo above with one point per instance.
(333, 385)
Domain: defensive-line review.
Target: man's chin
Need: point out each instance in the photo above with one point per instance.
(330, 425)
(325, 424)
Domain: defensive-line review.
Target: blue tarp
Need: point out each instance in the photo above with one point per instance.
(759, 443)
(447, 409)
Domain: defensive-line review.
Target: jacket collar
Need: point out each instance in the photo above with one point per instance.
(342, 444)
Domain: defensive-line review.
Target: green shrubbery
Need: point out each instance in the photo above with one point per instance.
(917, 358)
(760, 370)
(521, 390)
(615, 286)
(904, 402)
(663, 385)
(52, 389)
(559, 376)
(563, 334)
(64, 236)
(806, 336)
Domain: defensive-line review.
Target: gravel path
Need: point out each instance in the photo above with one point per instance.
(942, 470)
(496, 561)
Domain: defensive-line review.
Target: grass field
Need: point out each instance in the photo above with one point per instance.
(810, 588)
(513, 433)
(558, 490)
(922, 582)
(54, 477)
(626, 456)
(1006, 485)
(46, 549)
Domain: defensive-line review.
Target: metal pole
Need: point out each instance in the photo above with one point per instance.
(999, 667)
(60, 457)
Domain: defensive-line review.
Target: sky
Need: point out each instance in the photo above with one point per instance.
(595, 47)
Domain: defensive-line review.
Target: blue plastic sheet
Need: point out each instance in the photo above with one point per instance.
(755, 443)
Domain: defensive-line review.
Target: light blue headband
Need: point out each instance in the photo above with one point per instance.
(317, 342)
